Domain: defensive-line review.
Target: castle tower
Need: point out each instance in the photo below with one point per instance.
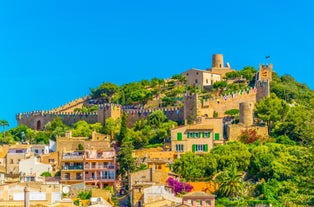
(246, 113)
(190, 108)
(108, 110)
(264, 78)
(217, 61)
(265, 72)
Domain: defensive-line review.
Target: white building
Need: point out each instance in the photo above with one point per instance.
(31, 169)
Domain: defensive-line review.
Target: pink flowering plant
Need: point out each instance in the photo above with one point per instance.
(179, 187)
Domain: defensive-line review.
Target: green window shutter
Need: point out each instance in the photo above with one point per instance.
(206, 147)
(193, 148)
(208, 134)
(203, 134)
(179, 136)
(216, 136)
(188, 135)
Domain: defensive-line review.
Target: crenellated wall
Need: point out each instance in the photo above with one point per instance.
(38, 119)
(172, 113)
(196, 106)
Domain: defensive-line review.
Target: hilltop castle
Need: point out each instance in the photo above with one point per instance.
(195, 106)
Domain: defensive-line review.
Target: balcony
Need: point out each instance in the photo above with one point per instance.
(66, 167)
(99, 178)
(72, 178)
(99, 157)
(72, 157)
(94, 167)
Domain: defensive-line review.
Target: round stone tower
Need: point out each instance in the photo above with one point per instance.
(246, 113)
(217, 61)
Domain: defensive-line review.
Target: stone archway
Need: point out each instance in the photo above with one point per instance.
(38, 125)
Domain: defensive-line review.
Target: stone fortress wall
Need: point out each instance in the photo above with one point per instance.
(194, 106)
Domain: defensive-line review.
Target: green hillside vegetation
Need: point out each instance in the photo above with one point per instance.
(278, 170)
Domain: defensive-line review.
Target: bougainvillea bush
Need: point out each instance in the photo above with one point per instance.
(179, 187)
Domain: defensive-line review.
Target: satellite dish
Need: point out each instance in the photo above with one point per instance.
(66, 189)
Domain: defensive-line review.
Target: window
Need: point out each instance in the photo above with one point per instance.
(194, 135)
(179, 148)
(51, 160)
(196, 81)
(208, 202)
(11, 161)
(198, 202)
(187, 74)
(217, 136)
(111, 174)
(200, 148)
(179, 136)
(206, 80)
(206, 134)
(196, 73)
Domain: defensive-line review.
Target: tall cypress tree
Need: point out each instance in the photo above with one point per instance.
(123, 129)
(125, 159)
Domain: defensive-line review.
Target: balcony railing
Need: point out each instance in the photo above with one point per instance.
(71, 178)
(72, 157)
(66, 167)
(88, 167)
(99, 157)
(91, 178)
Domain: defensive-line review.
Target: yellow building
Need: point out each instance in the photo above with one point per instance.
(198, 138)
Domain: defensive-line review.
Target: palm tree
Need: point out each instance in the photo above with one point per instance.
(230, 183)
(4, 123)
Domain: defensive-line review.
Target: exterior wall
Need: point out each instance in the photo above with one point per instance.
(217, 61)
(157, 193)
(3, 154)
(72, 167)
(235, 130)
(201, 78)
(32, 167)
(137, 196)
(37, 120)
(199, 199)
(221, 71)
(14, 156)
(191, 108)
(210, 78)
(52, 159)
(100, 167)
(220, 104)
(194, 77)
(191, 136)
(263, 89)
(143, 176)
(162, 166)
(39, 149)
(12, 194)
(172, 113)
(246, 113)
(265, 72)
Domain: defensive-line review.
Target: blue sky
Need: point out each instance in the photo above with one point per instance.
(52, 52)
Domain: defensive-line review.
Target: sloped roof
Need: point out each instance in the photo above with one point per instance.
(199, 194)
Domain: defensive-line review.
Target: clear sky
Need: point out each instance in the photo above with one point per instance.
(52, 52)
